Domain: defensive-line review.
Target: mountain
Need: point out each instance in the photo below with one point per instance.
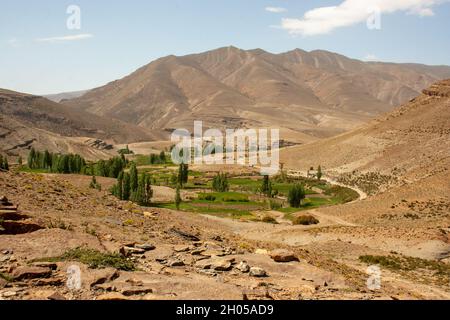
(27, 120)
(407, 146)
(58, 97)
(308, 95)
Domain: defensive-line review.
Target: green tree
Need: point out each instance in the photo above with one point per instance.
(31, 158)
(177, 198)
(133, 177)
(266, 187)
(183, 174)
(220, 182)
(296, 195)
(47, 160)
(126, 186)
(162, 157)
(120, 186)
(319, 173)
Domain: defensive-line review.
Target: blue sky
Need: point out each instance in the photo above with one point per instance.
(40, 55)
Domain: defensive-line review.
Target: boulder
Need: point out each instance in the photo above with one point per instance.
(128, 251)
(145, 246)
(282, 255)
(181, 248)
(104, 275)
(175, 263)
(134, 291)
(243, 267)
(56, 296)
(50, 265)
(257, 272)
(217, 264)
(24, 273)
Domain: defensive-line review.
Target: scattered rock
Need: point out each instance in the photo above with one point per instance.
(198, 252)
(104, 275)
(184, 235)
(212, 253)
(146, 247)
(9, 294)
(175, 263)
(134, 291)
(56, 296)
(128, 251)
(24, 273)
(257, 272)
(181, 248)
(54, 282)
(282, 255)
(243, 267)
(217, 264)
(50, 265)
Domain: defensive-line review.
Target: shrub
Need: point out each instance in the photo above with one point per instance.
(207, 197)
(305, 220)
(220, 183)
(274, 205)
(95, 259)
(296, 195)
(269, 219)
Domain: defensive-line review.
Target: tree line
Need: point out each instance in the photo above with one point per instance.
(57, 163)
(132, 186)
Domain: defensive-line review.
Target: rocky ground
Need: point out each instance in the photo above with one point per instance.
(124, 251)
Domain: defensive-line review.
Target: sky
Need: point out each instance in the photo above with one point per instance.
(52, 46)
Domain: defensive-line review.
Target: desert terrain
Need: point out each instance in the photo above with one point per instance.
(381, 198)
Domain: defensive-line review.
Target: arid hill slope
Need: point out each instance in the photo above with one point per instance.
(410, 144)
(317, 93)
(27, 120)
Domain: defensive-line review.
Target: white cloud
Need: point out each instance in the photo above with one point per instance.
(276, 9)
(350, 12)
(371, 57)
(76, 37)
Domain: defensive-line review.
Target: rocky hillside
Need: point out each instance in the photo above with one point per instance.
(27, 120)
(306, 94)
(410, 144)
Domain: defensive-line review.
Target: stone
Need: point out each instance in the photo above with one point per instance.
(134, 291)
(104, 275)
(257, 272)
(25, 273)
(217, 264)
(111, 296)
(181, 248)
(243, 267)
(9, 294)
(145, 246)
(56, 296)
(54, 282)
(128, 251)
(212, 253)
(50, 265)
(175, 263)
(282, 255)
(198, 252)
